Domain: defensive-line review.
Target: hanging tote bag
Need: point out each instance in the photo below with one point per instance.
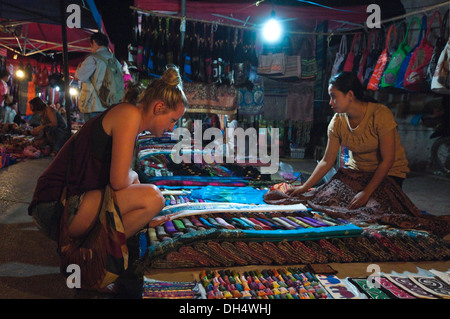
(364, 56)
(393, 68)
(340, 56)
(383, 60)
(415, 73)
(401, 72)
(350, 61)
(375, 49)
(438, 48)
(272, 64)
(440, 82)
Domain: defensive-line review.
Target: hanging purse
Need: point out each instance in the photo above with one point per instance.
(161, 54)
(308, 67)
(340, 56)
(416, 72)
(56, 78)
(383, 60)
(393, 68)
(140, 45)
(208, 61)
(440, 82)
(374, 50)
(401, 72)
(29, 72)
(239, 66)
(227, 55)
(37, 75)
(438, 48)
(350, 61)
(195, 57)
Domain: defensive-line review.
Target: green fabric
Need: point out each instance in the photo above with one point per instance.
(371, 292)
(391, 72)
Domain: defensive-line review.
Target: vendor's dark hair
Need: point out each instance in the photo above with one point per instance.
(100, 38)
(37, 104)
(346, 81)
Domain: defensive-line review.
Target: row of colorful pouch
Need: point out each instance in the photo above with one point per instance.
(290, 283)
(255, 221)
(180, 199)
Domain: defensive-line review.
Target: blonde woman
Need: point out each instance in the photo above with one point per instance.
(94, 167)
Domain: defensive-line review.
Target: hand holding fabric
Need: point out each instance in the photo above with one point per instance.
(297, 191)
(359, 200)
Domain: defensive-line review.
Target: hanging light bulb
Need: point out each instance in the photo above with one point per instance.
(73, 91)
(20, 74)
(272, 29)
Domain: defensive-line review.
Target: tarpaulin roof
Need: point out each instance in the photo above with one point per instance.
(28, 27)
(254, 13)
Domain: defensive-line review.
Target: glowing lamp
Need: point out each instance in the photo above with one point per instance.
(272, 29)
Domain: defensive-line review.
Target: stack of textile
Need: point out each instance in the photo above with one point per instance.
(157, 289)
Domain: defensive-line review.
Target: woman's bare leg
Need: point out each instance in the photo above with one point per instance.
(138, 204)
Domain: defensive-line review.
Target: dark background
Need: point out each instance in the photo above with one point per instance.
(117, 19)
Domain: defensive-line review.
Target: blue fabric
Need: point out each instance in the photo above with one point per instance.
(243, 195)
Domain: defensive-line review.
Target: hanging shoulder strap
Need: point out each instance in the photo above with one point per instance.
(388, 38)
(431, 23)
(343, 45)
(413, 19)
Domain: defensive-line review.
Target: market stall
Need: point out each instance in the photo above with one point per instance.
(220, 233)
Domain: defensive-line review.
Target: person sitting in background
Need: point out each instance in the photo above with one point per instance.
(52, 130)
(10, 110)
(370, 133)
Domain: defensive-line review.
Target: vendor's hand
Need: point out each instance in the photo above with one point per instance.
(296, 191)
(36, 130)
(359, 200)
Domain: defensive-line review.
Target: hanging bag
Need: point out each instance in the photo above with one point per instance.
(340, 56)
(416, 72)
(350, 61)
(393, 68)
(383, 60)
(375, 49)
(37, 75)
(364, 55)
(308, 67)
(438, 48)
(272, 64)
(401, 72)
(440, 82)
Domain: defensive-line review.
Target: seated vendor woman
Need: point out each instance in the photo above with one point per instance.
(52, 130)
(368, 130)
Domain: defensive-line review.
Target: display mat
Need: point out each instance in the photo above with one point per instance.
(317, 228)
